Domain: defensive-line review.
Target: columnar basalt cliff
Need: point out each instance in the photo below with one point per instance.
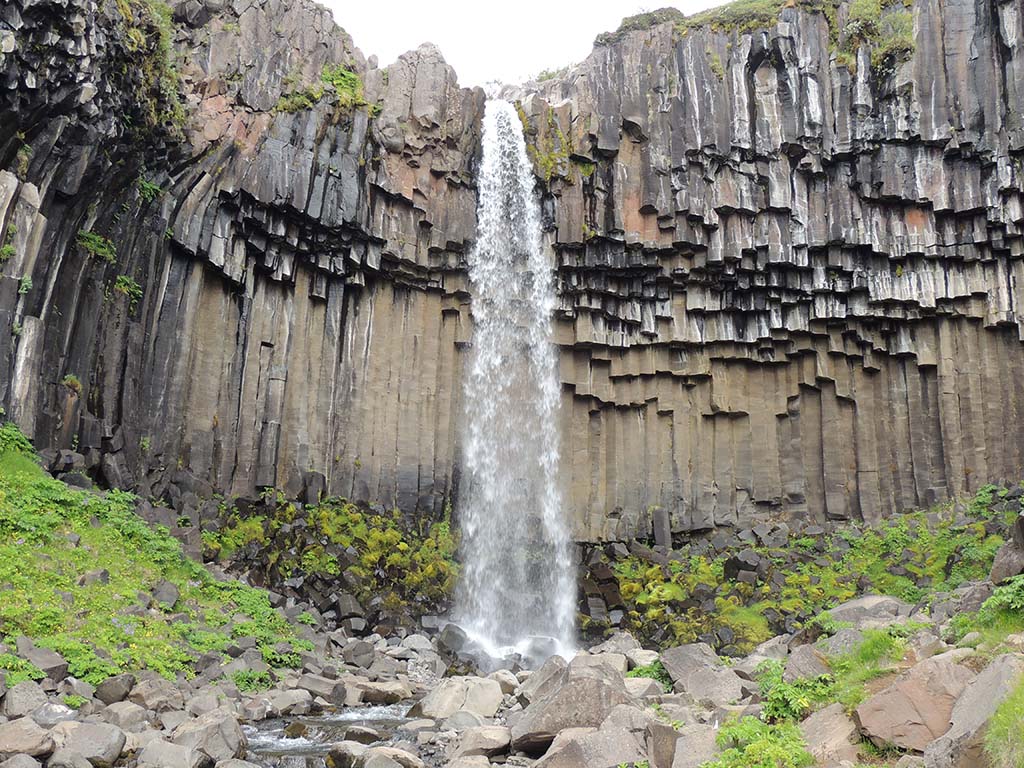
(789, 278)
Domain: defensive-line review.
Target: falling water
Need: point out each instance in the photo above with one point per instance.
(518, 584)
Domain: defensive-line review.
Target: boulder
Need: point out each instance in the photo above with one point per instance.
(390, 692)
(871, 611)
(115, 688)
(235, 763)
(380, 757)
(330, 690)
(162, 754)
(23, 737)
(166, 594)
(65, 758)
(99, 743)
(360, 653)
(487, 740)
(363, 735)
(538, 683)
(52, 713)
(697, 671)
(20, 761)
(841, 643)
(620, 642)
(23, 699)
(469, 762)
(477, 694)
(831, 735)
(578, 697)
(216, 734)
(1008, 562)
(462, 720)
(505, 680)
(50, 662)
(126, 715)
(914, 711)
(961, 745)
(615, 661)
(157, 694)
(292, 702)
(696, 745)
(640, 687)
(638, 657)
(604, 748)
(346, 754)
(805, 662)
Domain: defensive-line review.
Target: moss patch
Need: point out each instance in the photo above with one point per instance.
(77, 570)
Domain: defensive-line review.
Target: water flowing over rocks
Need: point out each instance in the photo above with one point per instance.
(785, 287)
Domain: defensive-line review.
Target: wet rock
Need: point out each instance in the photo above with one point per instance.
(216, 734)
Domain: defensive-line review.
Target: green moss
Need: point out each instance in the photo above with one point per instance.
(550, 149)
(95, 623)
(1004, 737)
(73, 383)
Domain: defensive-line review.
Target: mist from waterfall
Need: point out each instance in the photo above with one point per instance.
(519, 581)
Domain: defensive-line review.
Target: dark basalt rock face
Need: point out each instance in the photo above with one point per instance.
(788, 289)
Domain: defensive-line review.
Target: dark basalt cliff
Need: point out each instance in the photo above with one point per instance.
(789, 283)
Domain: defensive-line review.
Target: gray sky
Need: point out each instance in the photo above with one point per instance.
(507, 41)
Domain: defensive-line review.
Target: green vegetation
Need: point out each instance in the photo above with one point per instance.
(6, 251)
(127, 286)
(874, 657)
(655, 671)
(408, 568)
(550, 149)
(25, 284)
(17, 670)
(148, 191)
(75, 701)
(149, 31)
(97, 246)
(640, 21)
(551, 74)
(1001, 615)
(250, 681)
(344, 83)
(74, 563)
(885, 26)
(1004, 737)
(789, 701)
(73, 383)
(751, 743)
(907, 557)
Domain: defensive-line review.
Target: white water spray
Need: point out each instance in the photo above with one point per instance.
(519, 582)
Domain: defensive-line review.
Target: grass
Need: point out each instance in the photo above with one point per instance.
(75, 570)
(877, 655)
(1004, 737)
(999, 616)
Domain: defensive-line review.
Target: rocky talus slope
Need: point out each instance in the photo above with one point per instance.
(789, 268)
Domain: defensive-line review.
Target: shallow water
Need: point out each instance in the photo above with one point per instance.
(270, 747)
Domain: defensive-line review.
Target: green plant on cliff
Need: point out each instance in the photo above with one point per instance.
(149, 31)
(73, 383)
(550, 149)
(127, 286)
(97, 246)
(345, 83)
(655, 671)
(73, 565)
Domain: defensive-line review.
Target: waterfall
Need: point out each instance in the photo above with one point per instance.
(518, 592)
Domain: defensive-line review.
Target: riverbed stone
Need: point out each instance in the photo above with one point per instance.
(487, 740)
(216, 734)
(23, 736)
(163, 754)
(99, 743)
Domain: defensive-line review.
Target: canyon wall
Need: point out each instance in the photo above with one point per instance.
(790, 284)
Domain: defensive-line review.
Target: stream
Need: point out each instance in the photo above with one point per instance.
(272, 747)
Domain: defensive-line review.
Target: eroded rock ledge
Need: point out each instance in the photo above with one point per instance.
(788, 288)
